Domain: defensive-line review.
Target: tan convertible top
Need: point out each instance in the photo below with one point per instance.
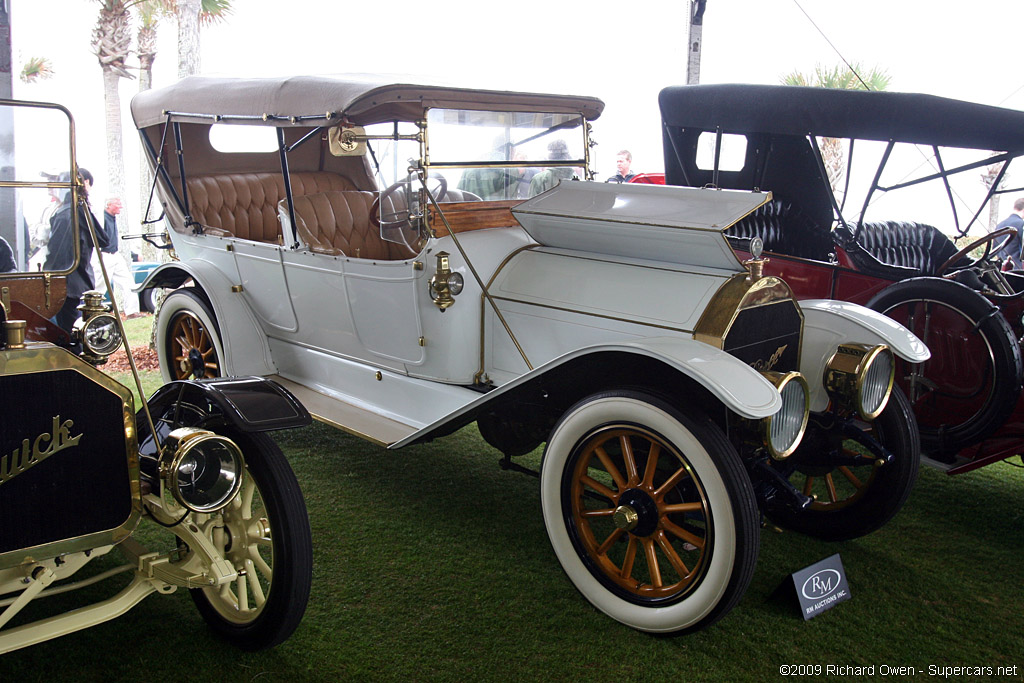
(361, 98)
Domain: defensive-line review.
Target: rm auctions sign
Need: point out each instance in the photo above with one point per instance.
(821, 586)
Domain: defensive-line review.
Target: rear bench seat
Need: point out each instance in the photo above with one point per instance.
(245, 205)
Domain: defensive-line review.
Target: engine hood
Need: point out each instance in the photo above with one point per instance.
(678, 225)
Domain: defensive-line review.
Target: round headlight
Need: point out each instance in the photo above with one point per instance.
(784, 430)
(204, 470)
(100, 335)
(860, 377)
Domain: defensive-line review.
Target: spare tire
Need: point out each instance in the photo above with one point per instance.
(971, 383)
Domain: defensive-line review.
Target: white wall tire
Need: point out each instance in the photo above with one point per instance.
(722, 518)
(187, 338)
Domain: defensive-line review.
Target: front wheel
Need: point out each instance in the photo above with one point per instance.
(264, 532)
(649, 511)
(853, 497)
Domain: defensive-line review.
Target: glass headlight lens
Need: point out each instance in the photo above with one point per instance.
(204, 472)
(860, 377)
(785, 429)
(456, 283)
(100, 335)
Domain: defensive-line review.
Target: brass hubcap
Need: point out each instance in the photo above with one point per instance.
(625, 518)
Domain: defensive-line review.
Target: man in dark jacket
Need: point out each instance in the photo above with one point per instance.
(1014, 220)
(623, 160)
(61, 252)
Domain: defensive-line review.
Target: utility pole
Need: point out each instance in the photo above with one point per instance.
(693, 47)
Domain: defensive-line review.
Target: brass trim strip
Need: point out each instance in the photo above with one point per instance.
(472, 269)
(39, 357)
(594, 315)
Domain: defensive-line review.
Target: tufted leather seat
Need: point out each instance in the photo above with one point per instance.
(245, 204)
(784, 229)
(917, 246)
(338, 223)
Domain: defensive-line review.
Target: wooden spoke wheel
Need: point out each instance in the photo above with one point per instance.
(649, 511)
(264, 533)
(640, 514)
(853, 498)
(188, 339)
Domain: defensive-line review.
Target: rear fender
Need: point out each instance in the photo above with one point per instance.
(828, 323)
(239, 329)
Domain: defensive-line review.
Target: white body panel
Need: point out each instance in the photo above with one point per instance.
(675, 224)
(332, 323)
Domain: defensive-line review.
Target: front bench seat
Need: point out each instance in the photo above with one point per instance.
(917, 247)
(338, 223)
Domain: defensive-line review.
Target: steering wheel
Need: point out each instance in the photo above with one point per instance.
(987, 240)
(398, 217)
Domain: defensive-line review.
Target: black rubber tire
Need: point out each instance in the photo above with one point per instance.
(730, 520)
(292, 553)
(981, 317)
(187, 315)
(885, 489)
(147, 300)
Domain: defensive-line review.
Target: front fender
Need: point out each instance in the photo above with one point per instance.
(828, 323)
(737, 385)
(251, 404)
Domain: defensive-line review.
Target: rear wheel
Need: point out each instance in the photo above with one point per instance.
(649, 511)
(971, 383)
(188, 340)
(853, 494)
(264, 533)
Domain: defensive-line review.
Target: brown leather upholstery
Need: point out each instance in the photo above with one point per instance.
(245, 204)
(338, 223)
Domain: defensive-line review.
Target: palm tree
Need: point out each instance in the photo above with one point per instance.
(851, 77)
(111, 43)
(191, 14)
(36, 69)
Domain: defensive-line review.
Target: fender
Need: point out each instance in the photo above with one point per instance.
(238, 327)
(741, 388)
(828, 323)
(252, 404)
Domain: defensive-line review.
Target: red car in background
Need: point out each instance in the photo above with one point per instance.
(859, 181)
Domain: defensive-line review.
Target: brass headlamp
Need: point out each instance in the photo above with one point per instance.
(202, 470)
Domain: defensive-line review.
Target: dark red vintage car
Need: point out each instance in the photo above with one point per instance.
(866, 187)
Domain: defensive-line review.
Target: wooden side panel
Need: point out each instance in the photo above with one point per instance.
(466, 216)
(43, 294)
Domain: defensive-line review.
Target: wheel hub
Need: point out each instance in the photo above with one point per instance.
(625, 518)
(195, 360)
(643, 507)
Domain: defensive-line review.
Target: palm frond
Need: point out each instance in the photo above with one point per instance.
(36, 69)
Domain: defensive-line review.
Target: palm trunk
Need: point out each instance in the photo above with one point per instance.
(188, 37)
(115, 153)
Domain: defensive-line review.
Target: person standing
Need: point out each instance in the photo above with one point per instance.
(1013, 246)
(60, 252)
(623, 160)
(118, 271)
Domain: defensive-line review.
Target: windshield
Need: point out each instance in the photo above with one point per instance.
(35, 163)
(505, 155)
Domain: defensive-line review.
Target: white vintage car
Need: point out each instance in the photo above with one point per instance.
(407, 259)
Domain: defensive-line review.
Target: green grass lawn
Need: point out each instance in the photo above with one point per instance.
(431, 563)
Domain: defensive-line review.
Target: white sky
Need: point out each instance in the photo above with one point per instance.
(622, 52)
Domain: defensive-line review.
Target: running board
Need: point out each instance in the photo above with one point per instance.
(357, 421)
